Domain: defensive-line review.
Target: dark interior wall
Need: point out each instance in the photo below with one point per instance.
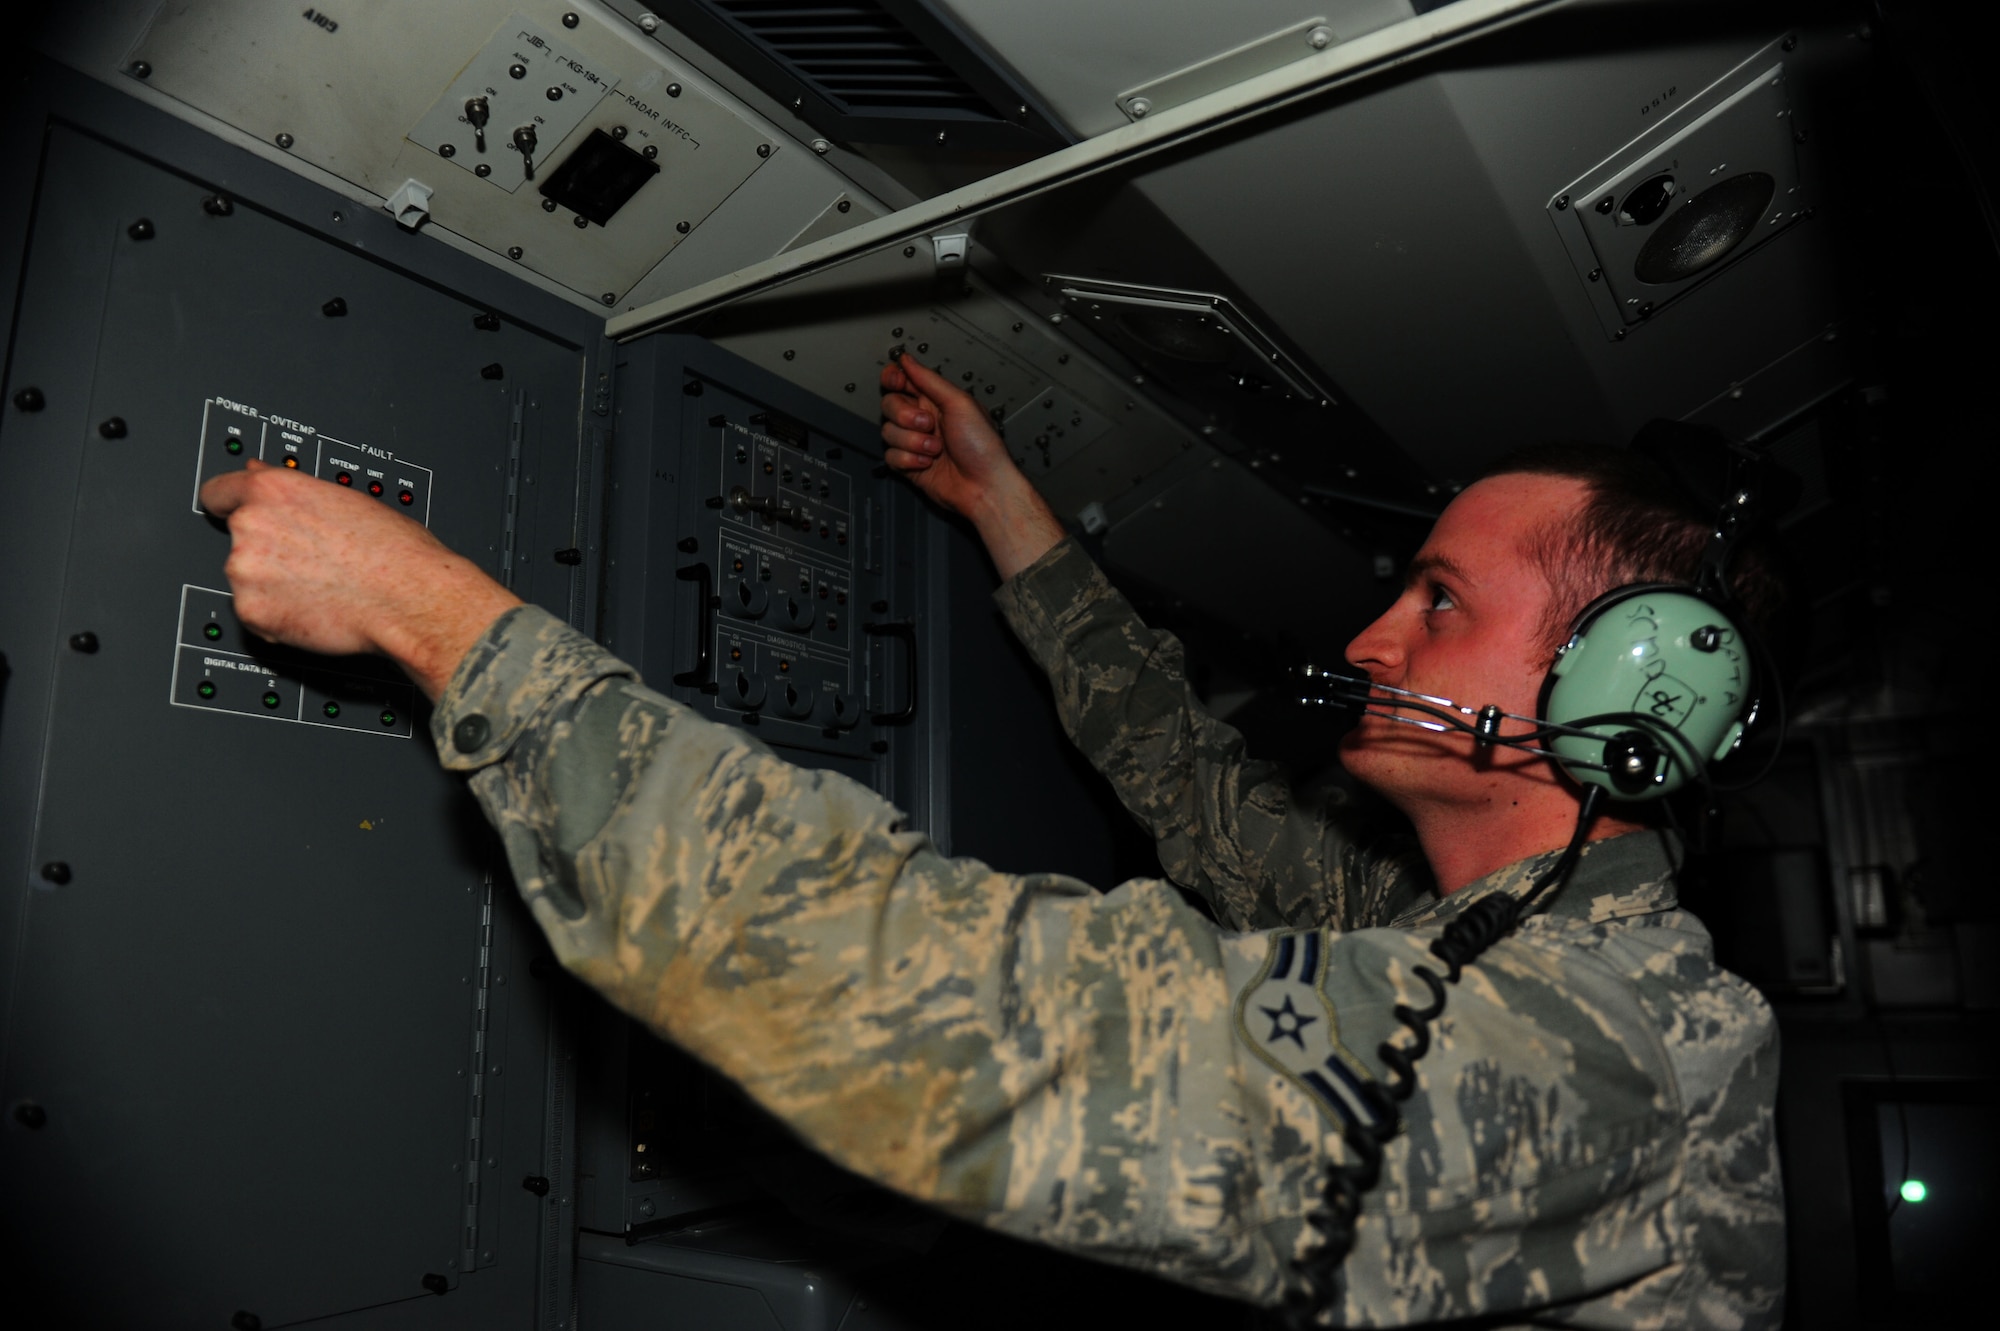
(265, 978)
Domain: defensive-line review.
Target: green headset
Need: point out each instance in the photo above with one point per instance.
(1653, 685)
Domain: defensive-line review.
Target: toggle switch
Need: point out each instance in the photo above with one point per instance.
(524, 139)
(752, 599)
(476, 115)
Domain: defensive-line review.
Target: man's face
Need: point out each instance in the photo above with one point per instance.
(1466, 627)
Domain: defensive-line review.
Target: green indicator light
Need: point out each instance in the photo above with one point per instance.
(1914, 1190)
(388, 717)
(206, 688)
(234, 445)
(272, 700)
(332, 709)
(211, 631)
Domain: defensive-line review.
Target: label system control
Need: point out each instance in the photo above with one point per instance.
(221, 667)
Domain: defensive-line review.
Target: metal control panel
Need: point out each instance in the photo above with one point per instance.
(794, 628)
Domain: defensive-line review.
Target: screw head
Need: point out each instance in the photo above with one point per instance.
(482, 170)
(141, 229)
(1646, 310)
(1562, 202)
(1596, 274)
(112, 427)
(30, 399)
(609, 298)
(514, 251)
(673, 90)
(218, 205)
(334, 309)
(447, 150)
(909, 251)
(649, 23)
(822, 147)
(1790, 43)
(652, 150)
(140, 69)
(763, 150)
(581, 221)
(554, 93)
(844, 205)
(791, 355)
(681, 227)
(493, 371)
(1139, 107)
(619, 132)
(1604, 204)
(285, 141)
(570, 19)
(517, 71)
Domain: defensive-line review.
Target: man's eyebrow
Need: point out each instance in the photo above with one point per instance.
(1423, 566)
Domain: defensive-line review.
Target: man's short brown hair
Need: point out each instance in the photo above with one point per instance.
(1635, 525)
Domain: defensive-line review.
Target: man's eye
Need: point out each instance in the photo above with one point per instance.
(1441, 599)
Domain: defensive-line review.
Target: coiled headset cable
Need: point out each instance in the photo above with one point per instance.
(1484, 923)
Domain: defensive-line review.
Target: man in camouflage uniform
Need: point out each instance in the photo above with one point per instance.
(1590, 1142)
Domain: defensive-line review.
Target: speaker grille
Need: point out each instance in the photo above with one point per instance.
(1705, 228)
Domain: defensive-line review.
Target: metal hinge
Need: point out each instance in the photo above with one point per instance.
(514, 432)
(475, 1131)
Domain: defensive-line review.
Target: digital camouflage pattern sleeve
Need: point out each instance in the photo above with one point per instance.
(1112, 1074)
(1228, 826)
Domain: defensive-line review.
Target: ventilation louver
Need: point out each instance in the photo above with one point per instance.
(870, 71)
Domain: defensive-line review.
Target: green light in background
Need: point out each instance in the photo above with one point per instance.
(1914, 1190)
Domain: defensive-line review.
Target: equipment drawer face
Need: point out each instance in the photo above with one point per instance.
(789, 563)
(251, 991)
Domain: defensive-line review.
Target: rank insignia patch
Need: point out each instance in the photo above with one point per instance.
(1283, 1015)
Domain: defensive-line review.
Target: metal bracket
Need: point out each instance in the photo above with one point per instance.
(1227, 70)
(950, 249)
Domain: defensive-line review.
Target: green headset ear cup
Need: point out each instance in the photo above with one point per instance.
(1657, 659)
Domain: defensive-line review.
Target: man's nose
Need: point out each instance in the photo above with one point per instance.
(1378, 647)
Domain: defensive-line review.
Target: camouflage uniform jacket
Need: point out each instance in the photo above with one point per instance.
(1113, 1074)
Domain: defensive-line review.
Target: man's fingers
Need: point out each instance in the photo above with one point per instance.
(917, 441)
(907, 418)
(908, 412)
(928, 381)
(902, 459)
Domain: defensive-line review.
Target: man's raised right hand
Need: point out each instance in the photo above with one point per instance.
(939, 438)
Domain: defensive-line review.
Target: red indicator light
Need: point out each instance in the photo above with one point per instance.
(406, 499)
(374, 487)
(342, 478)
(293, 463)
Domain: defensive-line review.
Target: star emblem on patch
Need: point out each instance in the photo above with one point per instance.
(1287, 1022)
